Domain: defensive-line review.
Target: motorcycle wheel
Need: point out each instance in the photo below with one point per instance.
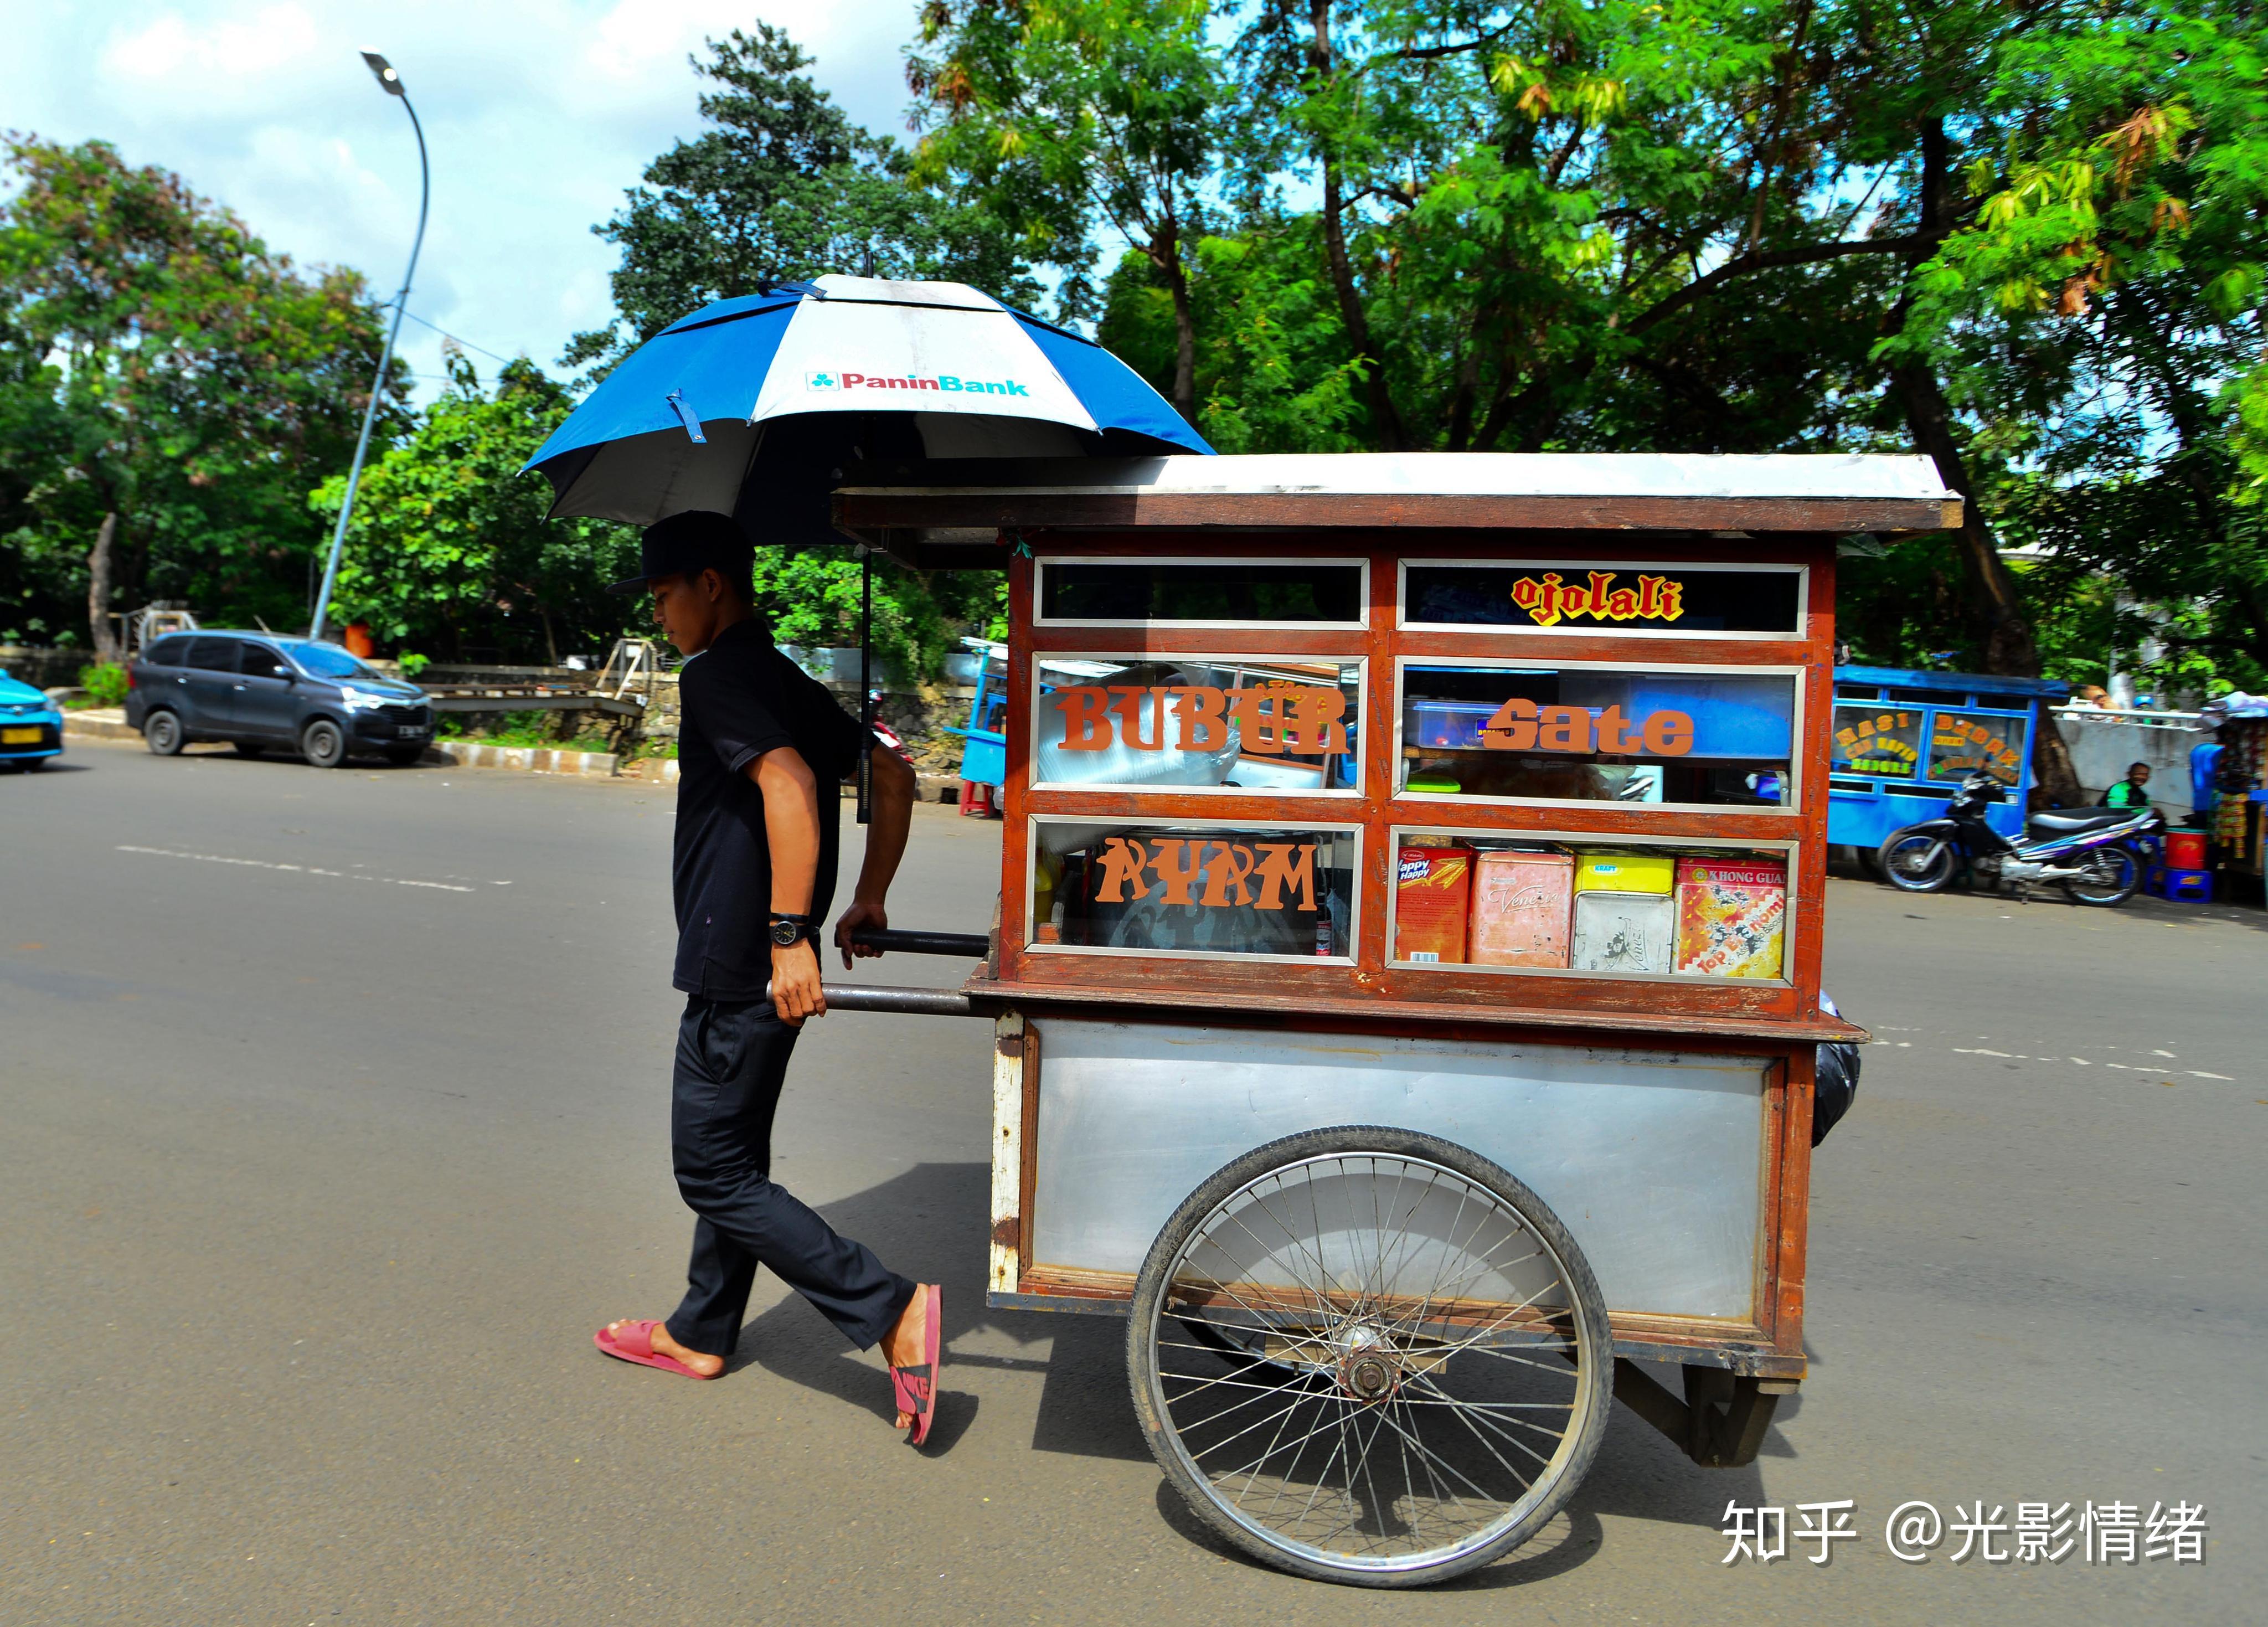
(1914, 863)
(2113, 874)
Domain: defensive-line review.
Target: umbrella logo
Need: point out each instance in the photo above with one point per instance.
(821, 381)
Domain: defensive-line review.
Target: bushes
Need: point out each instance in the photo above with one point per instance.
(105, 683)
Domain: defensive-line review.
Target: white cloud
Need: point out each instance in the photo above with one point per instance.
(538, 113)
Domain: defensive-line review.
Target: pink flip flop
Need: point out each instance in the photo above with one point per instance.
(915, 1385)
(636, 1344)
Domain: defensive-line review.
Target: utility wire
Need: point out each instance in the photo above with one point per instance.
(445, 334)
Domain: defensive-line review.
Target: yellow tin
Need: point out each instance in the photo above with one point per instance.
(1605, 871)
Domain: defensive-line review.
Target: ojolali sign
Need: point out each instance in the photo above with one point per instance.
(1550, 599)
(1272, 718)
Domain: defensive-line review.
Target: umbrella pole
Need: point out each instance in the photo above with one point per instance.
(865, 684)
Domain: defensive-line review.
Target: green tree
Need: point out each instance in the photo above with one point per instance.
(783, 187)
(1067, 116)
(177, 385)
(449, 549)
(2097, 314)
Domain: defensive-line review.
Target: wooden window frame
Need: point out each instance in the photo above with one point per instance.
(1343, 794)
(1786, 848)
(1353, 828)
(1803, 572)
(1790, 809)
(1041, 562)
(1374, 987)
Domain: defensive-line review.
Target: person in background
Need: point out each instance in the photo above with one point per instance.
(2130, 792)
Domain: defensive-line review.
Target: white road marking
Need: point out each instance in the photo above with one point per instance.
(306, 870)
(1971, 1050)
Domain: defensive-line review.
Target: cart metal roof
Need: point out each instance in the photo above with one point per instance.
(922, 509)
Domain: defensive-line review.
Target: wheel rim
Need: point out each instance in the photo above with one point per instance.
(323, 742)
(161, 730)
(2109, 872)
(1425, 1396)
(1914, 861)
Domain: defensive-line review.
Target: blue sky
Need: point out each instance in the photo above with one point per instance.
(538, 113)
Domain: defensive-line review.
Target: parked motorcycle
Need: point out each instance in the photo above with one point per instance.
(2089, 852)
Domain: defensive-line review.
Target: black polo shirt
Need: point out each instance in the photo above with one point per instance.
(741, 698)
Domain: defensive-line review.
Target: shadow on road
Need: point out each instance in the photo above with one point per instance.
(929, 1223)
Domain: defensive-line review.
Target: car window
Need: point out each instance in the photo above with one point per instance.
(213, 655)
(261, 661)
(168, 652)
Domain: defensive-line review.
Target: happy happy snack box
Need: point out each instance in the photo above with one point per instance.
(1521, 900)
(1732, 916)
(1432, 888)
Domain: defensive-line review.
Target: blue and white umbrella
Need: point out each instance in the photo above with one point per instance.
(748, 406)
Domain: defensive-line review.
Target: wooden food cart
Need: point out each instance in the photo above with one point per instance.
(1406, 974)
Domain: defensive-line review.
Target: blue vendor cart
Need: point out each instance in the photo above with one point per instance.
(1903, 741)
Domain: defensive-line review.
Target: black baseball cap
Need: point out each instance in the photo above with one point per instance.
(696, 540)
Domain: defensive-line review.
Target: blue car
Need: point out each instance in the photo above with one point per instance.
(31, 725)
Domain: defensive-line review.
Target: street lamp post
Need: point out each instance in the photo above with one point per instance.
(390, 82)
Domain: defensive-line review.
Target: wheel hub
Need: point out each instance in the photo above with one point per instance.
(1369, 1368)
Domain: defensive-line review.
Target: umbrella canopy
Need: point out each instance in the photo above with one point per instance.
(749, 406)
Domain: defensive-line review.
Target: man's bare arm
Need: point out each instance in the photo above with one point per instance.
(790, 793)
(891, 815)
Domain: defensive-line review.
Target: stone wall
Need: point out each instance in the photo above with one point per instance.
(2101, 745)
(44, 669)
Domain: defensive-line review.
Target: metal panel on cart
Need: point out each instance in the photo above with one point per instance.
(1653, 1158)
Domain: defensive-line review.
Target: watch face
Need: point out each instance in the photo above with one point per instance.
(785, 933)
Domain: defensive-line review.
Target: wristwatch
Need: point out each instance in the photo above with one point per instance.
(790, 930)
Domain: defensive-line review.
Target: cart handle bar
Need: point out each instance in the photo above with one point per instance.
(969, 946)
(888, 997)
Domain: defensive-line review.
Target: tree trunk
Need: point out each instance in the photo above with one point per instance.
(1995, 598)
(98, 589)
(1385, 423)
(1166, 253)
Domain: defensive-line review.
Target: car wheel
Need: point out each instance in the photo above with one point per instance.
(162, 731)
(247, 748)
(323, 744)
(405, 756)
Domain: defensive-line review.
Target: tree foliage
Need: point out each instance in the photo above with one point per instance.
(782, 186)
(449, 548)
(169, 388)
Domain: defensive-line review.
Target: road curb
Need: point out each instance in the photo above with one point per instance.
(112, 725)
(98, 724)
(528, 759)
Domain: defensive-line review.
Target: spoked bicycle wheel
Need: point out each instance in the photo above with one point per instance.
(1366, 1355)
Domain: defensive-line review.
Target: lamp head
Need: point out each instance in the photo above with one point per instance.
(388, 80)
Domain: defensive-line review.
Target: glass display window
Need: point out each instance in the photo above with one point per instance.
(1274, 593)
(1672, 737)
(1194, 888)
(1654, 602)
(1254, 725)
(1495, 902)
(1882, 740)
(1962, 743)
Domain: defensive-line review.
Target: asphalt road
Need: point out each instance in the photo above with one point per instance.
(336, 1120)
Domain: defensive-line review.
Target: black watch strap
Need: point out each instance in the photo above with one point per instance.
(802, 926)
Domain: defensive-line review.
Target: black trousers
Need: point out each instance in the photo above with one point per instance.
(732, 1061)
